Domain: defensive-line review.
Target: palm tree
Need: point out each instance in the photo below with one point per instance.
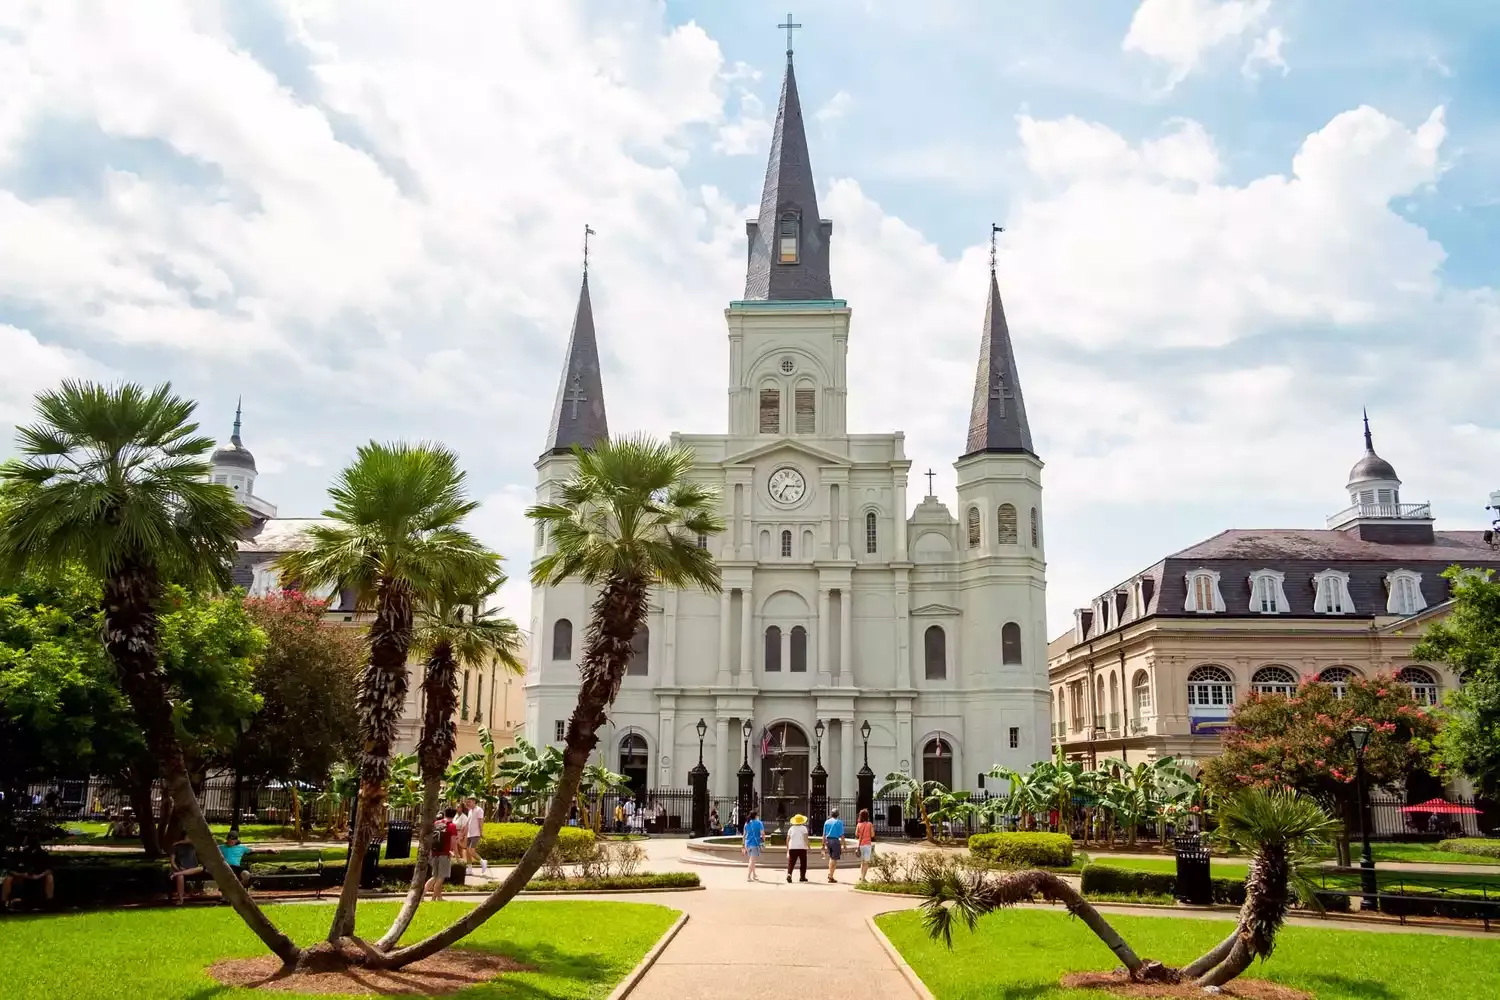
(627, 520)
(456, 629)
(397, 540)
(918, 793)
(1280, 828)
(113, 479)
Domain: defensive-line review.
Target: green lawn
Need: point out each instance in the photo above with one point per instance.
(579, 949)
(1393, 879)
(1424, 853)
(94, 833)
(1021, 954)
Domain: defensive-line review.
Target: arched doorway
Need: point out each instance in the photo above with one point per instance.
(783, 773)
(635, 763)
(937, 762)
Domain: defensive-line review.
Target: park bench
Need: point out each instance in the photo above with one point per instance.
(270, 880)
(1485, 910)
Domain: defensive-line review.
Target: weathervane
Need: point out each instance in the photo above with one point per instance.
(789, 26)
(587, 232)
(995, 229)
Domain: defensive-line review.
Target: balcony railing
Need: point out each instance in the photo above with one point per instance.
(1138, 726)
(1386, 511)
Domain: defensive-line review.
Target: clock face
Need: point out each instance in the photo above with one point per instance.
(787, 486)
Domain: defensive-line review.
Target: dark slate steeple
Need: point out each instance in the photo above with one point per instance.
(788, 244)
(997, 421)
(578, 416)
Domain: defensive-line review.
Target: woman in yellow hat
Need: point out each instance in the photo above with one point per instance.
(796, 846)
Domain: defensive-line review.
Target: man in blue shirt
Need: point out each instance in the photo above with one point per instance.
(833, 842)
(234, 852)
(755, 835)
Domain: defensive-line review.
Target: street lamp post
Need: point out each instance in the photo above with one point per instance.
(817, 803)
(866, 776)
(1359, 738)
(746, 777)
(698, 782)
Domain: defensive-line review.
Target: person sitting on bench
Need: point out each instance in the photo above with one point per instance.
(234, 853)
(185, 865)
(27, 865)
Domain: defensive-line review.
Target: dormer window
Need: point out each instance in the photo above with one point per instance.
(1267, 597)
(1203, 594)
(787, 238)
(1404, 592)
(1332, 593)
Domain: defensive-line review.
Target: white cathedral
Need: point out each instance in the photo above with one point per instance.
(838, 606)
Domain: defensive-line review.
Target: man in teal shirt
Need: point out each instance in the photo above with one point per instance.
(234, 853)
(833, 842)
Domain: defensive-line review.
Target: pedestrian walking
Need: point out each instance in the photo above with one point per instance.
(797, 841)
(864, 832)
(461, 841)
(444, 832)
(833, 842)
(476, 833)
(755, 835)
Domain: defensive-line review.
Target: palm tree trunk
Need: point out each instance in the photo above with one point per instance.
(434, 751)
(1240, 957)
(617, 614)
(382, 697)
(1009, 888)
(1213, 957)
(130, 633)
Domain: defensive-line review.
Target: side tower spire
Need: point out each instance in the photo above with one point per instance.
(788, 243)
(997, 420)
(578, 415)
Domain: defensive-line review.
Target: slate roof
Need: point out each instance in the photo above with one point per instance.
(788, 188)
(578, 416)
(997, 419)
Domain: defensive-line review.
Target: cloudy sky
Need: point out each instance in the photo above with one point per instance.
(1230, 224)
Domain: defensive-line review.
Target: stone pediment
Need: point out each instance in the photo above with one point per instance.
(936, 609)
(822, 456)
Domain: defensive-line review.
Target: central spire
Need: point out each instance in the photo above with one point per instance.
(578, 415)
(997, 418)
(788, 243)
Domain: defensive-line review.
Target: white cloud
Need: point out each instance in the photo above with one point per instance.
(1266, 52)
(1180, 32)
(31, 366)
(834, 108)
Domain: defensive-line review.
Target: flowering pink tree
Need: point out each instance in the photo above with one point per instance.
(1302, 742)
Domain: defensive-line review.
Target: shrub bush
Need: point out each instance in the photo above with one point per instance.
(506, 842)
(1477, 846)
(649, 880)
(1023, 850)
(1124, 882)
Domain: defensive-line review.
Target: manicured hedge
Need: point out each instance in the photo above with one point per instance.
(1103, 878)
(1477, 846)
(1023, 850)
(506, 842)
(649, 880)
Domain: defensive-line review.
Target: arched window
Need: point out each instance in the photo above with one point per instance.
(1098, 701)
(479, 696)
(805, 409)
(973, 527)
(1210, 691)
(1114, 701)
(799, 650)
(1404, 592)
(640, 653)
(1203, 594)
(773, 649)
(635, 763)
(463, 712)
(1267, 595)
(787, 238)
(770, 411)
(871, 531)
(1274, 680)
(1005, 524)
(1423, 685)
(1036, 530)
(1140, 696)
(935, 652)
(1331, 593)
(1337, 678)
(562, 639)
(937, 762)
(1010, 643)
(786, 545)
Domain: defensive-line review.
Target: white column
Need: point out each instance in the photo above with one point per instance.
(747, 638)
(724, 637)
(720, 779)
(847, 787)
(825, 634)
(903, 631)
(669, 639)
(846, 644)
(899, 550)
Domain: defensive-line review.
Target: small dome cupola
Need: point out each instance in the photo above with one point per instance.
(234, 455)
(1373, 480)
(1375, 512)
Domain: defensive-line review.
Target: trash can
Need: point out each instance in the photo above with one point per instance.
(1193, 881)
(369, 872)
(397, 839)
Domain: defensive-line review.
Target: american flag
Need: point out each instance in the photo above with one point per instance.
(765, 741)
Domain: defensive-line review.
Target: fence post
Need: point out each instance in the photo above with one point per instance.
(698, 780)
(817, 801)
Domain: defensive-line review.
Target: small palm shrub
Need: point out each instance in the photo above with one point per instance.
(1023, 850)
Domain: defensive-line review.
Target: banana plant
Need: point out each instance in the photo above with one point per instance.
(338, 796)
(404, 786)
(475, 774)
(530, 772)
(918, 794)
(594, 790)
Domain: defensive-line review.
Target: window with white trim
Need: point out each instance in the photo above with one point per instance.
(1015, 737)
(786, 545)
(1274, 680)
(1404, 592)
(1424, 687)
(559, 731)
(702, 540)
(1005, 525)
(786, 243)
(1338, 679)
(1331, 593)
(872, 532)
(974, 527)
(805, 410)
(770, 411)
(1210, 688)
(1140, 696)
(1267, 594)
(1203, 594)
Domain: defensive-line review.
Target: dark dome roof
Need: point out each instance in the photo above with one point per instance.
(234, 454)
(1372, 466)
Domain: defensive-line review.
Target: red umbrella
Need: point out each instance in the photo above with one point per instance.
(1440, 806)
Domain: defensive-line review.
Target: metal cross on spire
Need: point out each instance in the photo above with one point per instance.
(587, 232)
(995, 230)
(930, 474)
(790, 26)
